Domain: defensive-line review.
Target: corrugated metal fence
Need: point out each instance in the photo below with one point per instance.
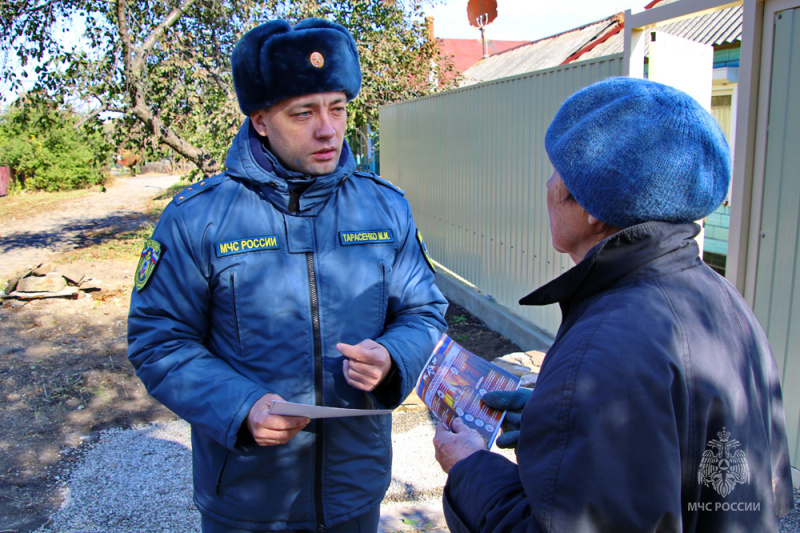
(474, 168)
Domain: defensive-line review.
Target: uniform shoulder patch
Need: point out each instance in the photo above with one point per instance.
(425, 251)
(199, 187)
(148, 260)
(380, 180)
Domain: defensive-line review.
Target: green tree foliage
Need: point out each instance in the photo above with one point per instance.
(163, 66)
(46, 149)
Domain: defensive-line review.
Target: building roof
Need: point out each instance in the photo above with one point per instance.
(544, 53)
(717, 28)
(601, 38)
(467, 52)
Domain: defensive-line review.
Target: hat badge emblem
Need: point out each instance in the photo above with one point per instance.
(317, 60)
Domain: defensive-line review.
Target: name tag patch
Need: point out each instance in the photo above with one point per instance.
(366, 237)
(249, 244)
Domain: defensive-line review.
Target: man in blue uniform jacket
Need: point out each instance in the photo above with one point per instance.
(658, 406)
(289, 276)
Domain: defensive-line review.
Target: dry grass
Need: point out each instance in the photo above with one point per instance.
(24, 206)
(110, 245)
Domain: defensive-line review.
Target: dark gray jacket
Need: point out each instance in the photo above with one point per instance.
(658, 406)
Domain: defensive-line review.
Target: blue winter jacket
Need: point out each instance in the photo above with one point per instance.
(658, 407)
(249, 298)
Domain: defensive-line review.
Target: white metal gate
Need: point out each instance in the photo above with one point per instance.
(776, 300)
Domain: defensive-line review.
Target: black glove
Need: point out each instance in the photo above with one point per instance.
(513, 402)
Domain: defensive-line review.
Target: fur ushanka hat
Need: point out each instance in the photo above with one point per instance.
(274, 61)
(632, 150)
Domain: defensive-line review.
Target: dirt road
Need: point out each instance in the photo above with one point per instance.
(48, 234)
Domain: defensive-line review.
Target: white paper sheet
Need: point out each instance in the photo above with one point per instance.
(315, 411)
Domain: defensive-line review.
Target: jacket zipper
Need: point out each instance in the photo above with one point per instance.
(294, 207)
(318, 444)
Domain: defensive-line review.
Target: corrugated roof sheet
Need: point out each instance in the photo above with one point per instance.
(599, 39)
(544, 53)
(719, 27)
(614, 45)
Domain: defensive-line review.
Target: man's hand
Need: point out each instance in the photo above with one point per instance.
(513, 402)
(271, 430)
(366, 365)
(460, 443)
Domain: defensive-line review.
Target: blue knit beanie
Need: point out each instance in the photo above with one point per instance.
(632, 150)
(273, 62)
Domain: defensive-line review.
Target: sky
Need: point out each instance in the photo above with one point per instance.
(517, 20)
(525, 20)
(69, 32)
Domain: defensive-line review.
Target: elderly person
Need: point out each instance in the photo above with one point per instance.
(289, 276)
(658, 406)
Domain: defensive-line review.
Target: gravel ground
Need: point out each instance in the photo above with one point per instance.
(791, 522)
(140, 480)
(132, 480)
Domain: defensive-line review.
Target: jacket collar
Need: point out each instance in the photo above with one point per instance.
(249, 161)
(635, 253)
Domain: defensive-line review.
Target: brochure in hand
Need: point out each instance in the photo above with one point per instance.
(455, 380)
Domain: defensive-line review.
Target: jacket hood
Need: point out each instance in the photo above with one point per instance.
(248, 161)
